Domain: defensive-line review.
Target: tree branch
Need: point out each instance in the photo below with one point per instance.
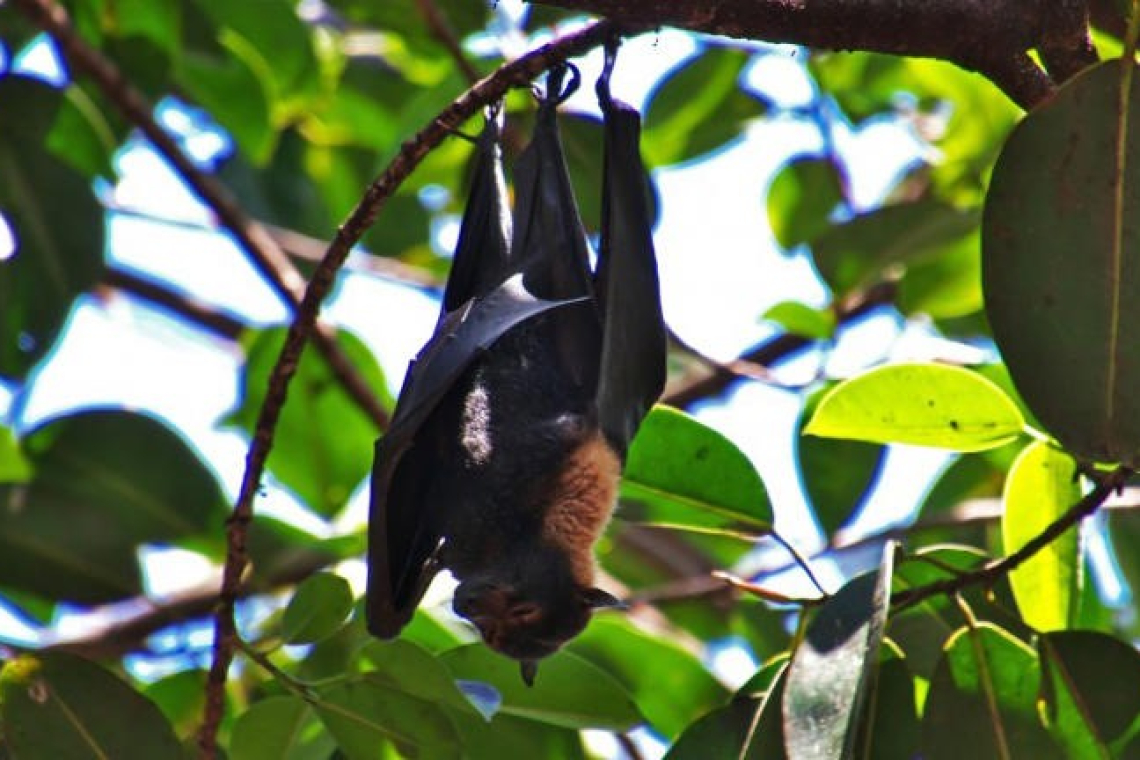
(1067, 47)
(257, 243)
(484, 92)
(987, 36)
(992, 572)
(218, 321)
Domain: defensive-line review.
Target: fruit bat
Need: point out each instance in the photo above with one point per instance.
(505, 449)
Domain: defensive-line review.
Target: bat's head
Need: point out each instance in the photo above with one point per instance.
(528, 611)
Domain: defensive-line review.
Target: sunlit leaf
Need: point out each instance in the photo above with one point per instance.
(920, 404)
(318, 608)
(801, 319)
(802, 198)
(1042, 486)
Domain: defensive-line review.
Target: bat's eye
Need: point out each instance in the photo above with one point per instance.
(525, 613)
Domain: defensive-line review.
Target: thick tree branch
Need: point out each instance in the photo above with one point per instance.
(1067, 47)
(987, 36)
(484, 92)
(254, 239)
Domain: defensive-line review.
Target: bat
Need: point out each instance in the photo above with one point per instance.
(504, 453)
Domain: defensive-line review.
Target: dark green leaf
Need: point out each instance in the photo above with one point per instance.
(698, 107)
(747, 727)
(280, 728)
(157, 20)
(837, 474)
(920, 404)
(416, 672)
(181, 697)
(55, 706)
(53, 263)
(874, 245)
(365, 715)
(802, 198)
(105, 483)
(323, 447)
(317, 610)
(669, 684)
(234, 95)
(983, 700)
(681, 472)
(947, 285)
(82, 136)
(1092, 689)
(890, 729)
(509, 736)
(1061, 267)
(1042, 486)
(833, 669)
(569, 690)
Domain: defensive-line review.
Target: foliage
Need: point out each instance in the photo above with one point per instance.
(1039, 267)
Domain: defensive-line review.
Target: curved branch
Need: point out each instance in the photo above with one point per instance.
(987, 36)
(270, 261)
(484, 92)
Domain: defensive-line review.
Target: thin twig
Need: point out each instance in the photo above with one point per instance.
(800, 561)
(486, 91)
(629, 746)
(437, 24)
(270, 261)
(994, 571)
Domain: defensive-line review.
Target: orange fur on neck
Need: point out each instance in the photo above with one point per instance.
(583, 500)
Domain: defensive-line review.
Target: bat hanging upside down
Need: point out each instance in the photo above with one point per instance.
(505, 450)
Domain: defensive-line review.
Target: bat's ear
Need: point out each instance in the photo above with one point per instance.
(596, 599)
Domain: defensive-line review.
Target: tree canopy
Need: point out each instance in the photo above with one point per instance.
(324, 143)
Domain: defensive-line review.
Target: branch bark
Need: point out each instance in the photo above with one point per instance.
(991, 37)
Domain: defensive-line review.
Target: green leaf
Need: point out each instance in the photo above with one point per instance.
(698, 107)
(414, 671)
(802, 198)
(280, 728)
(877, 244)
(181, 697)
(1042, 486)
(53, 263)
(83, 136)
(234, 95)
(569, 690)
(1090, 690)
(323, 447)
(890, 729)
(669, 684)
(833, 669)
(748, 726)
(919, 404)
(365, 715)
(105, 482)
(837, 474)
(1061, 267)
(801, 319)
(318, 609)
(157, 20)
(14, 466)
(682, 472)
(983, 700)
(56, 705)
(508, 736)
(947, 285)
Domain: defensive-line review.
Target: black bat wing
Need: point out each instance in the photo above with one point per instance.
(632, 372)
(405, 528)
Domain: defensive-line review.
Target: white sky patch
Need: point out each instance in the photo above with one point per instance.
(7, 240)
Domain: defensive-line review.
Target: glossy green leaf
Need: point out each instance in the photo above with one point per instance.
(323, 447)
(1042, 486)
(947, 285)
(569, 690)
(682, 472)
(698, 107)
(890, 728)
(509, 736)
(280, 728)
(158, 20)
(1092, 690)
(317, 610)
(837, 474)
(668, 683)
(749, 726)
(53, 263)
(1061, 267)
(14, 466)
(366, 715)
(416, 672)
(802, 198)
(833, 669)
(876, 244)
(983, 700)
(919, 404)
(55, 706)
(105, 482)
(181, 697)
(801, 319)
